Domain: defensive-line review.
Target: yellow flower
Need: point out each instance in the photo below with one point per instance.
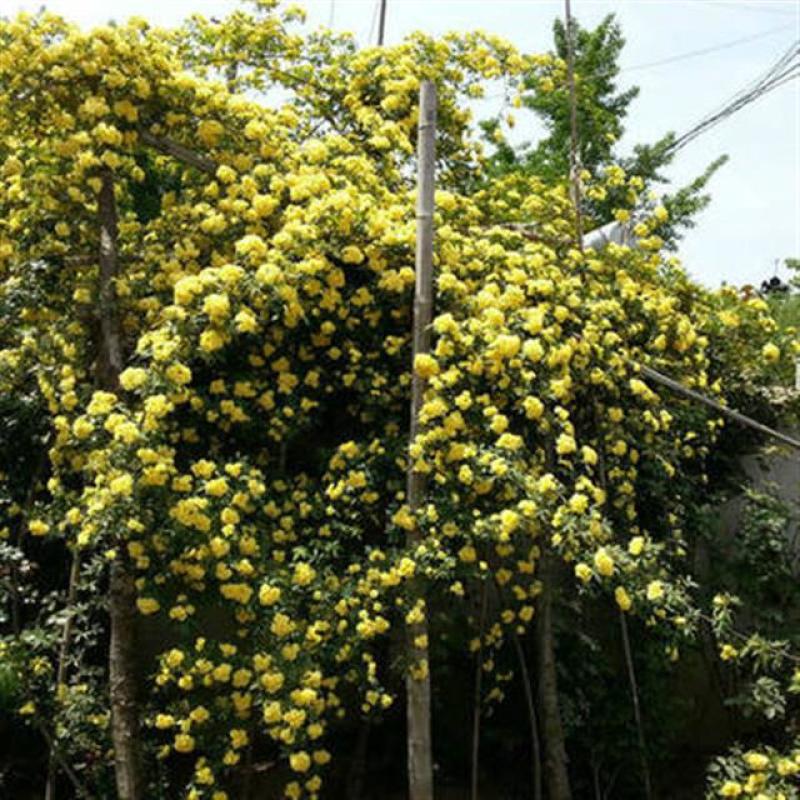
(147, 605)
(300, 761)
(217, 306)
(565, 445)
(404, 519)
(200, 714)
(264, 205)
(352, 255)
(730, 789)
(583, 572)
(636, 545)
(467, 554)
(38, 527)
(209, 132)
(282, 625)
(758, 762)
(132, 378)
(303, 574)
(603, 563)
(184, 743)
(268, 595)
(101, 403)
(179, 373)
(589, 455)
(655, 591)
(728, 652)
(210, 341)
(122, 485)
(226, 174)
(425, 366)
(534, 408)
(578, 503)
(623, 598)
(770, 352)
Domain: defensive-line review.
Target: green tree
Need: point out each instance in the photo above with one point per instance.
(602, 109)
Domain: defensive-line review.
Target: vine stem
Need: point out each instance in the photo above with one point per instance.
(476, 712)
(63, 660)
(536, 747)
(637, 714)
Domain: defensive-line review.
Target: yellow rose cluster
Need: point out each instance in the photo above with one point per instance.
(249, 470)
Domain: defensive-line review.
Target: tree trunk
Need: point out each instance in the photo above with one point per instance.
(555, 754)
(418, 682)
(357, 773)
(122, 591)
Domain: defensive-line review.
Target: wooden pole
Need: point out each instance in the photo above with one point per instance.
(574, 156)
(553, 740)
(418, 685)
(122, 591)
(382, 23)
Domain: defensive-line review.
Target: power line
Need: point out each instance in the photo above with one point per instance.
(787, 68)
(681, 56)
(761, 9)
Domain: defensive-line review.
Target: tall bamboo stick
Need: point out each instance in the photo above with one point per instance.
(418, 685)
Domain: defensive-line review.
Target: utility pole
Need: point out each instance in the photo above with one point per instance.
(418, 682)
(382, 23)
(574, 153)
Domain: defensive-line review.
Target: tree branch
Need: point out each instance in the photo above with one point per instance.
(182, 153)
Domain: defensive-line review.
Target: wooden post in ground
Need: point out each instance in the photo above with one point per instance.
(122, 591)
(418, 685)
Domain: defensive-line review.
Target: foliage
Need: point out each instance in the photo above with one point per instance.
(601, 111)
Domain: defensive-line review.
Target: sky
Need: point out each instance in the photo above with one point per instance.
(754, 218)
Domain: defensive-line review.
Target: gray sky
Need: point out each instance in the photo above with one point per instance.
(755, 214)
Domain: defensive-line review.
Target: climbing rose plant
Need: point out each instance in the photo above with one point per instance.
(249, 471)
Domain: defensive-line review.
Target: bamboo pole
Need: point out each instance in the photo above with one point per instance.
(418, 686)
(731, 413)
(382, 23)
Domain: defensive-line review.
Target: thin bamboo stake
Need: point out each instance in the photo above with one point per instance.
(418, 685)
(731, 413)
(382, 23)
